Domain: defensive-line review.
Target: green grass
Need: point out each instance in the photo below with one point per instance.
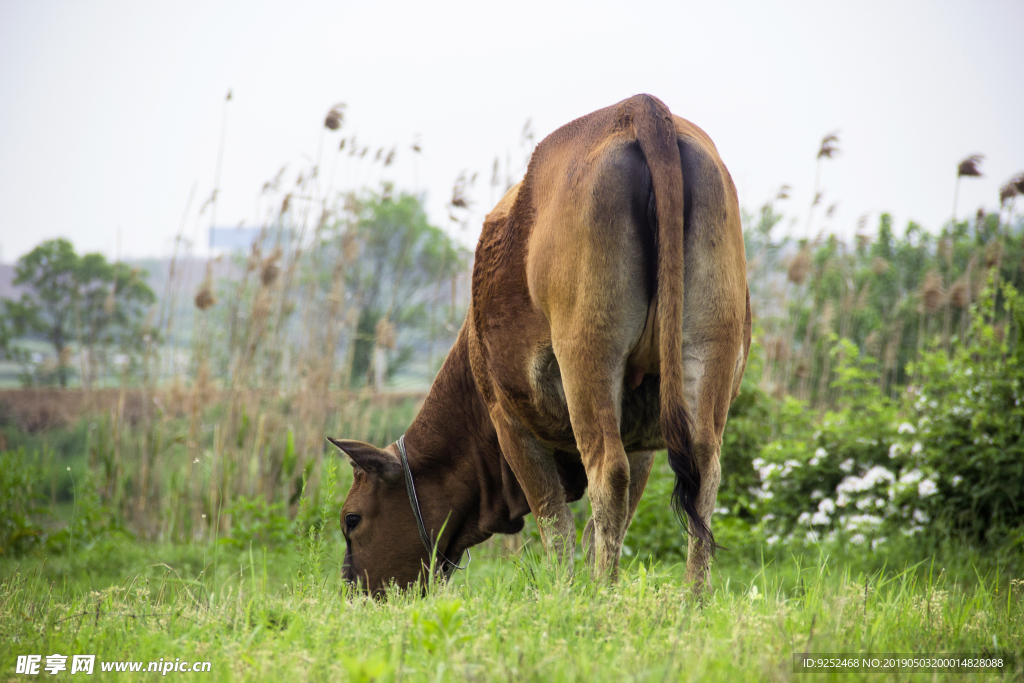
(504, 619)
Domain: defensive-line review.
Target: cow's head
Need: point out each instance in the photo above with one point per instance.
(381, 537)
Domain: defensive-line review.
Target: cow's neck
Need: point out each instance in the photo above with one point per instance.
(457, 463)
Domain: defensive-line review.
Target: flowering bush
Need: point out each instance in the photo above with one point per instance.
(970, 418)
(954, 463)
(841, 477)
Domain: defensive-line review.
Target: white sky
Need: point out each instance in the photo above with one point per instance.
(111, 111)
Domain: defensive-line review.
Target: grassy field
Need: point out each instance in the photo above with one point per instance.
(259, 615)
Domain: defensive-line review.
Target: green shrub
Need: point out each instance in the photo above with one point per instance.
(970, 427)
(833, 478)
(952, 464)
(92, 523)
(21, 490)
(254, 521)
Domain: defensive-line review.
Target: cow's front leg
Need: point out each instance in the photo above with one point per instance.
(535, 468)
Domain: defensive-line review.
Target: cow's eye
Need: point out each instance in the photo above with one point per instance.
(351, 522)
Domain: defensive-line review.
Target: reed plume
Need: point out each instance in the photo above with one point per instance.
(828, 149)
(799, 266)
(958, 293)
(205, 298)
(1011, 189)
(335, 117)
(968, 168)
(932, 293)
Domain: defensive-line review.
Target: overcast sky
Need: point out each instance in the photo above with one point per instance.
(112, 111)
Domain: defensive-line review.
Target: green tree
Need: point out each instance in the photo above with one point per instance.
(401, 260)
(70, 297)
(114, 299)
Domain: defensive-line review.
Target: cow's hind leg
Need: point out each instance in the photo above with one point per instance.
(709, 374)
(592, 383)
(597, 436)
(639, 471)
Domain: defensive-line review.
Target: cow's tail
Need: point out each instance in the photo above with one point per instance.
(655, 131)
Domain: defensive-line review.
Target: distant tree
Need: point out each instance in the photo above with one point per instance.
(401, 258)
(71, 298)
(114, 300)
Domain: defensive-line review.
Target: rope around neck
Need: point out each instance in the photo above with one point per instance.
(447, 566)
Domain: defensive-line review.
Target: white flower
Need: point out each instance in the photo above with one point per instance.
(769, 517)
(911, 477)
(916, 448)
(846, 465)
(721, 511)
(921, 516)
(758, 463)
(877, 542)
(895, 450)
(926, 488)
(818, 456)
(850, 485)
(820, 517)
(804, 518)
(69, 469)
(957, 479)
(865, 503)
(879, 502)
(877, 475)
(856, 522)
(827, 506)
(906, 428)
(857, 539)
(196, 461)
(772, 540)
(842, 500)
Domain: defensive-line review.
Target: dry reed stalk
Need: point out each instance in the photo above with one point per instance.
(314, 401)
(872, 343)
(824, 329)
(993, 253)
(828, 149)
(947, 308)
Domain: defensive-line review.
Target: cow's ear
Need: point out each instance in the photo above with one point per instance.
(372, 460)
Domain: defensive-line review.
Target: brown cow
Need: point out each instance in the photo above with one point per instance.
(587, 347)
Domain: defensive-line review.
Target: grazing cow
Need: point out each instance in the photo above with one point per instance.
(610, 318)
